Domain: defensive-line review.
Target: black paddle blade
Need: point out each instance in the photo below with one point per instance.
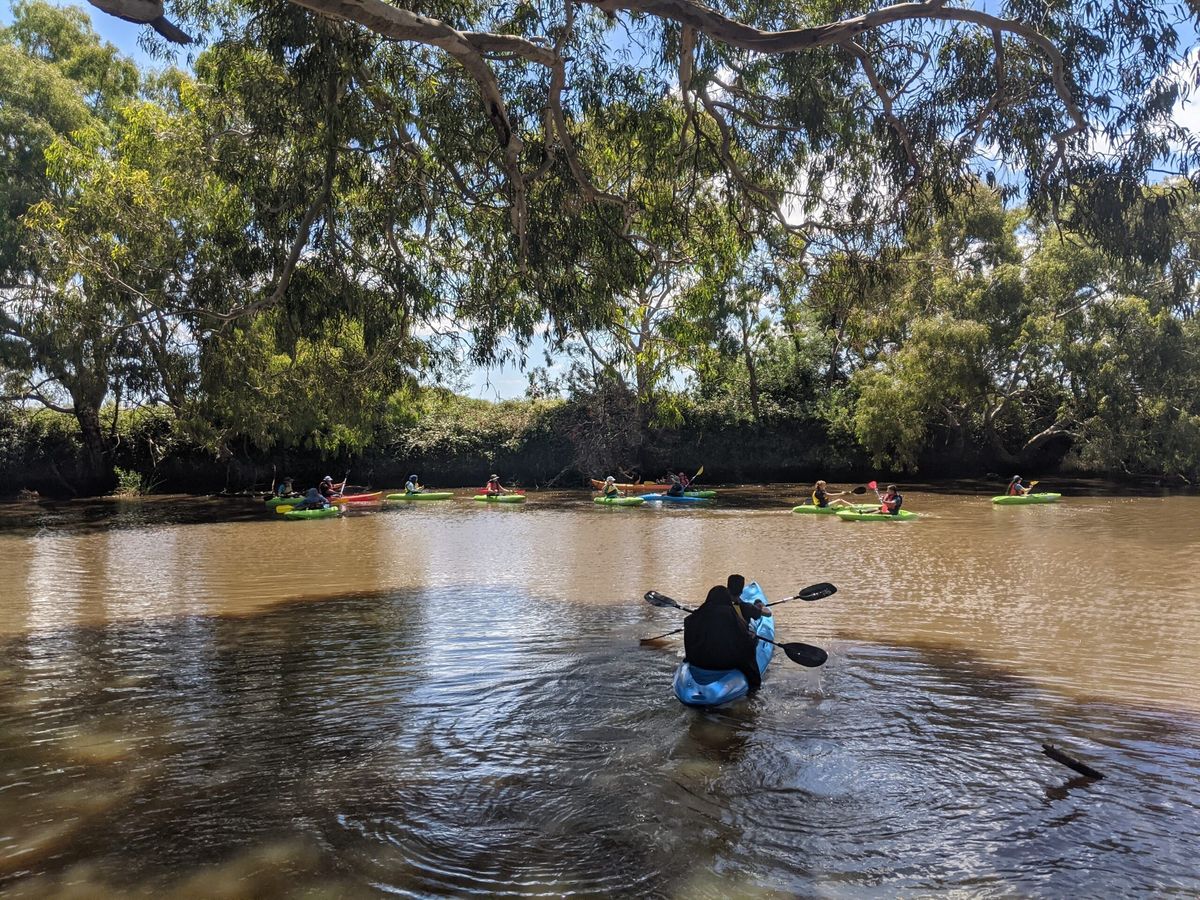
(817, 591)
(805, 654)
(654, 598)
(859, 490)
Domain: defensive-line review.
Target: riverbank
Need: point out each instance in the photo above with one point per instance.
(535, 444)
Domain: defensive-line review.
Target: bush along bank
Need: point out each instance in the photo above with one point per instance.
(457, 443)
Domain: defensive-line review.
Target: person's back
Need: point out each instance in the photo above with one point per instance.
(716, 637)
(313, 500)
(676, 488)
(412, 486)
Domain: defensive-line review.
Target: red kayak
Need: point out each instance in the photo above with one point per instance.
(376, 497)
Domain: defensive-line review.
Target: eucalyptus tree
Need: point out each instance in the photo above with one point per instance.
(56, 348)
(998, 335)
(798, 100)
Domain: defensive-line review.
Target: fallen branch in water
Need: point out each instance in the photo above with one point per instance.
(1070, 762)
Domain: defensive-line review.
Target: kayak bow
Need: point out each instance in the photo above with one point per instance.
(849, 516)
(327, 512)
(1025, 499)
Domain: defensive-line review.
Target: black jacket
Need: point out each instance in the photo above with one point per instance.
(715, 638)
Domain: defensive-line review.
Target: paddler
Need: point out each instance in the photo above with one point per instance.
(494, 487)
(285, 489)
(717, 636)
(736, 584)
(312, 500)
(676, 488)
(329, 490)
(610, 488)
(413, 485)
(821, 495)
(1016, 488)
(890, 501)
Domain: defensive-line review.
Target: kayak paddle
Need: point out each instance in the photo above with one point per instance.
(810, 593)
(804, 654)
(869, 486)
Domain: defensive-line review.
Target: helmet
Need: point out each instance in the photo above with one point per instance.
(610, 479)
(328, 478)
(412, 477)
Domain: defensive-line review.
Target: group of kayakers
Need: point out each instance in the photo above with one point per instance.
(677, 485)
(890, 500)
(317, 497)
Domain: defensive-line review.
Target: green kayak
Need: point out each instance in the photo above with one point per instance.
(706, 495)
(500, 498)
(903, 516)
(618, 501)
(428, 495)
(273, 502)
(1025, 499)
(328, 512)
(811, 510)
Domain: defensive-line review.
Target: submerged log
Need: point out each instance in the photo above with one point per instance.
(1070, 762)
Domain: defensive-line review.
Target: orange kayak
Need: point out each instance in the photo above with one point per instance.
(647, 486)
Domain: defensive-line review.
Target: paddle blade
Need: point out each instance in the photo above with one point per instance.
(861, 489)
(817, 591)
(805, 654)
(283, 507)
(654, 598)
(873, 485)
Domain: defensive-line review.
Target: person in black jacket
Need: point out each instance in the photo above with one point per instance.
(717, 635)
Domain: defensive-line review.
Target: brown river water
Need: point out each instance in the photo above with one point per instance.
(198, 698)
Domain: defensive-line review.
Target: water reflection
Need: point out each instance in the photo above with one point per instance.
(493, 741)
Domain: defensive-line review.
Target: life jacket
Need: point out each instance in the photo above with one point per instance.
(820, 498)
(1014, 488)
(893, 506)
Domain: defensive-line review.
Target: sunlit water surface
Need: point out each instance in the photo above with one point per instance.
(200, 698)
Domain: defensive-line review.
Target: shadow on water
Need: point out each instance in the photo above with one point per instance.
(489, 742)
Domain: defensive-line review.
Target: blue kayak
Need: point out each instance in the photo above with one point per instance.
(667, 498)
(709, 687)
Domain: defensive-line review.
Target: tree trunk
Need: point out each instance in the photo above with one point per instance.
(95, 445)
(751, 367)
